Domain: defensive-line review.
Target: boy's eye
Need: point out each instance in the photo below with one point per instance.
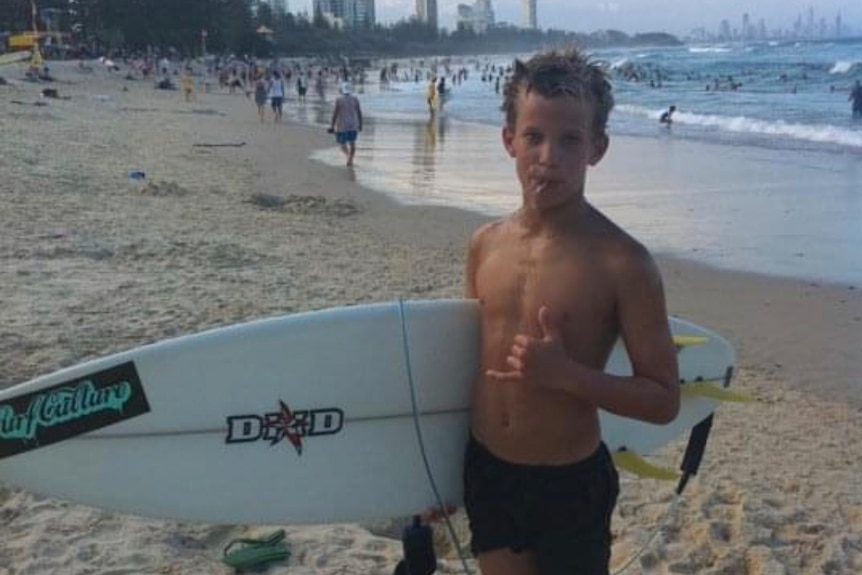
(532, 137)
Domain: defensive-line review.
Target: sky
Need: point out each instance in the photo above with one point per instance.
(678, 17)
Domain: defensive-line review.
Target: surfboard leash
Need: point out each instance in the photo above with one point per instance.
(409, 368)
(677, 498)
(694, 451)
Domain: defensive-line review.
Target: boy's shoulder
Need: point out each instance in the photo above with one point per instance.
(625, 256)
(488, 231)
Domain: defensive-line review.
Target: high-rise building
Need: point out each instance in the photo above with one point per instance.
(360, 13)
(426, 12)
(346, 13)
(528, 8)
(279, 7)
(724, 33)
(477, 17)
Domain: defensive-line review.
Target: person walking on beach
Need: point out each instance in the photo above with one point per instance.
(347, 121)
(558, 284)
(188, 84)
(260, 96)
(856, 99)
(276, 95)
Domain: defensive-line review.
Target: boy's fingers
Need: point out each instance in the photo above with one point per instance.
(504, 375)
(515, 363)
(521, 340)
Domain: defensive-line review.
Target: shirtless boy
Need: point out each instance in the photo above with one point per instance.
(558, 282)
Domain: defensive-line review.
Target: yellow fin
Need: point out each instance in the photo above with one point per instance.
(689, 340)
(713, 390)
(634, 463)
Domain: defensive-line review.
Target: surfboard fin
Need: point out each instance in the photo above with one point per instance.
(713, 390)
(689, 340)
(634, 463)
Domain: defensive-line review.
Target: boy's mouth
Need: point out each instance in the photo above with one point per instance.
(543, 184)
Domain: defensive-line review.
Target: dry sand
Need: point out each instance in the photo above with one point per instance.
(93, 263)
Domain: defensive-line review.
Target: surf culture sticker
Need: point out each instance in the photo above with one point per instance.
(71, 408)
(284, 425)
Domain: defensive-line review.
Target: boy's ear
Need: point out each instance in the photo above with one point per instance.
(508, 140)
(600, 147)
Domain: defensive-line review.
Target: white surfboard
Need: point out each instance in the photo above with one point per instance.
(306, 418)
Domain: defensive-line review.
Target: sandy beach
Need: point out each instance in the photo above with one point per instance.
(235, 222)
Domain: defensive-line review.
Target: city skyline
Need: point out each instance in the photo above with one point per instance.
(631, 16)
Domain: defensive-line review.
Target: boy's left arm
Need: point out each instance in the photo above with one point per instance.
(652, 392)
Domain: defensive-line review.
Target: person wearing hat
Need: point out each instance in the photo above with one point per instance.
(347, 121)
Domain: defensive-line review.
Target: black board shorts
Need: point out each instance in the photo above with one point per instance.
(560, 513)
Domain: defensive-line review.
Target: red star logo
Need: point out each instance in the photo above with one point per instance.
(287, 426)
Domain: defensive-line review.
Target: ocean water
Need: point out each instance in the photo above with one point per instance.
(765, 178)
(792, 95)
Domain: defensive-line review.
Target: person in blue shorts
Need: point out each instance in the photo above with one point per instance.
(347, 121)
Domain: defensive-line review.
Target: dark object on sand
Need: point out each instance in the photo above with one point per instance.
(20, 103)
(3, 81)
(50, 93)
(419, 557)
(230, 145)
(165, 84)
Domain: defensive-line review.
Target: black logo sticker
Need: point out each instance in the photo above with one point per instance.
(71, 408)
(284, 425)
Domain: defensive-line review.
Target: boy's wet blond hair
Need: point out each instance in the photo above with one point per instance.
(561, 73)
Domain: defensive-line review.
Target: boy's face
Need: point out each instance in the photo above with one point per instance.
(553, 143)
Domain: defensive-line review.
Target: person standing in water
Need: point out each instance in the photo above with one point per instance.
(667, 117)
(856, 99)
(431, 96)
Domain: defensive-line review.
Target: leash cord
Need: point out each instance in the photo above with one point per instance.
(409, 366)
(661, 526)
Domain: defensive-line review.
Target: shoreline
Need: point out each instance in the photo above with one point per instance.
(739, 208)
(96, 264)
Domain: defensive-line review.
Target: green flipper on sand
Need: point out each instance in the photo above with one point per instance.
(256, 553)
(634, 463)
(713, 390)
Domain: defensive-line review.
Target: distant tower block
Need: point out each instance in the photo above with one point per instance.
(426, 12)
(529, 10)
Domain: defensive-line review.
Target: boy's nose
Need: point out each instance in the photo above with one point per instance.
(549, 154)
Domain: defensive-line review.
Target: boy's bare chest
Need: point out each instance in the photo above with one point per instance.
(572, 282)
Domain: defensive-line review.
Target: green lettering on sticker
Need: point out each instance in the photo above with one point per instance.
(61, 406)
